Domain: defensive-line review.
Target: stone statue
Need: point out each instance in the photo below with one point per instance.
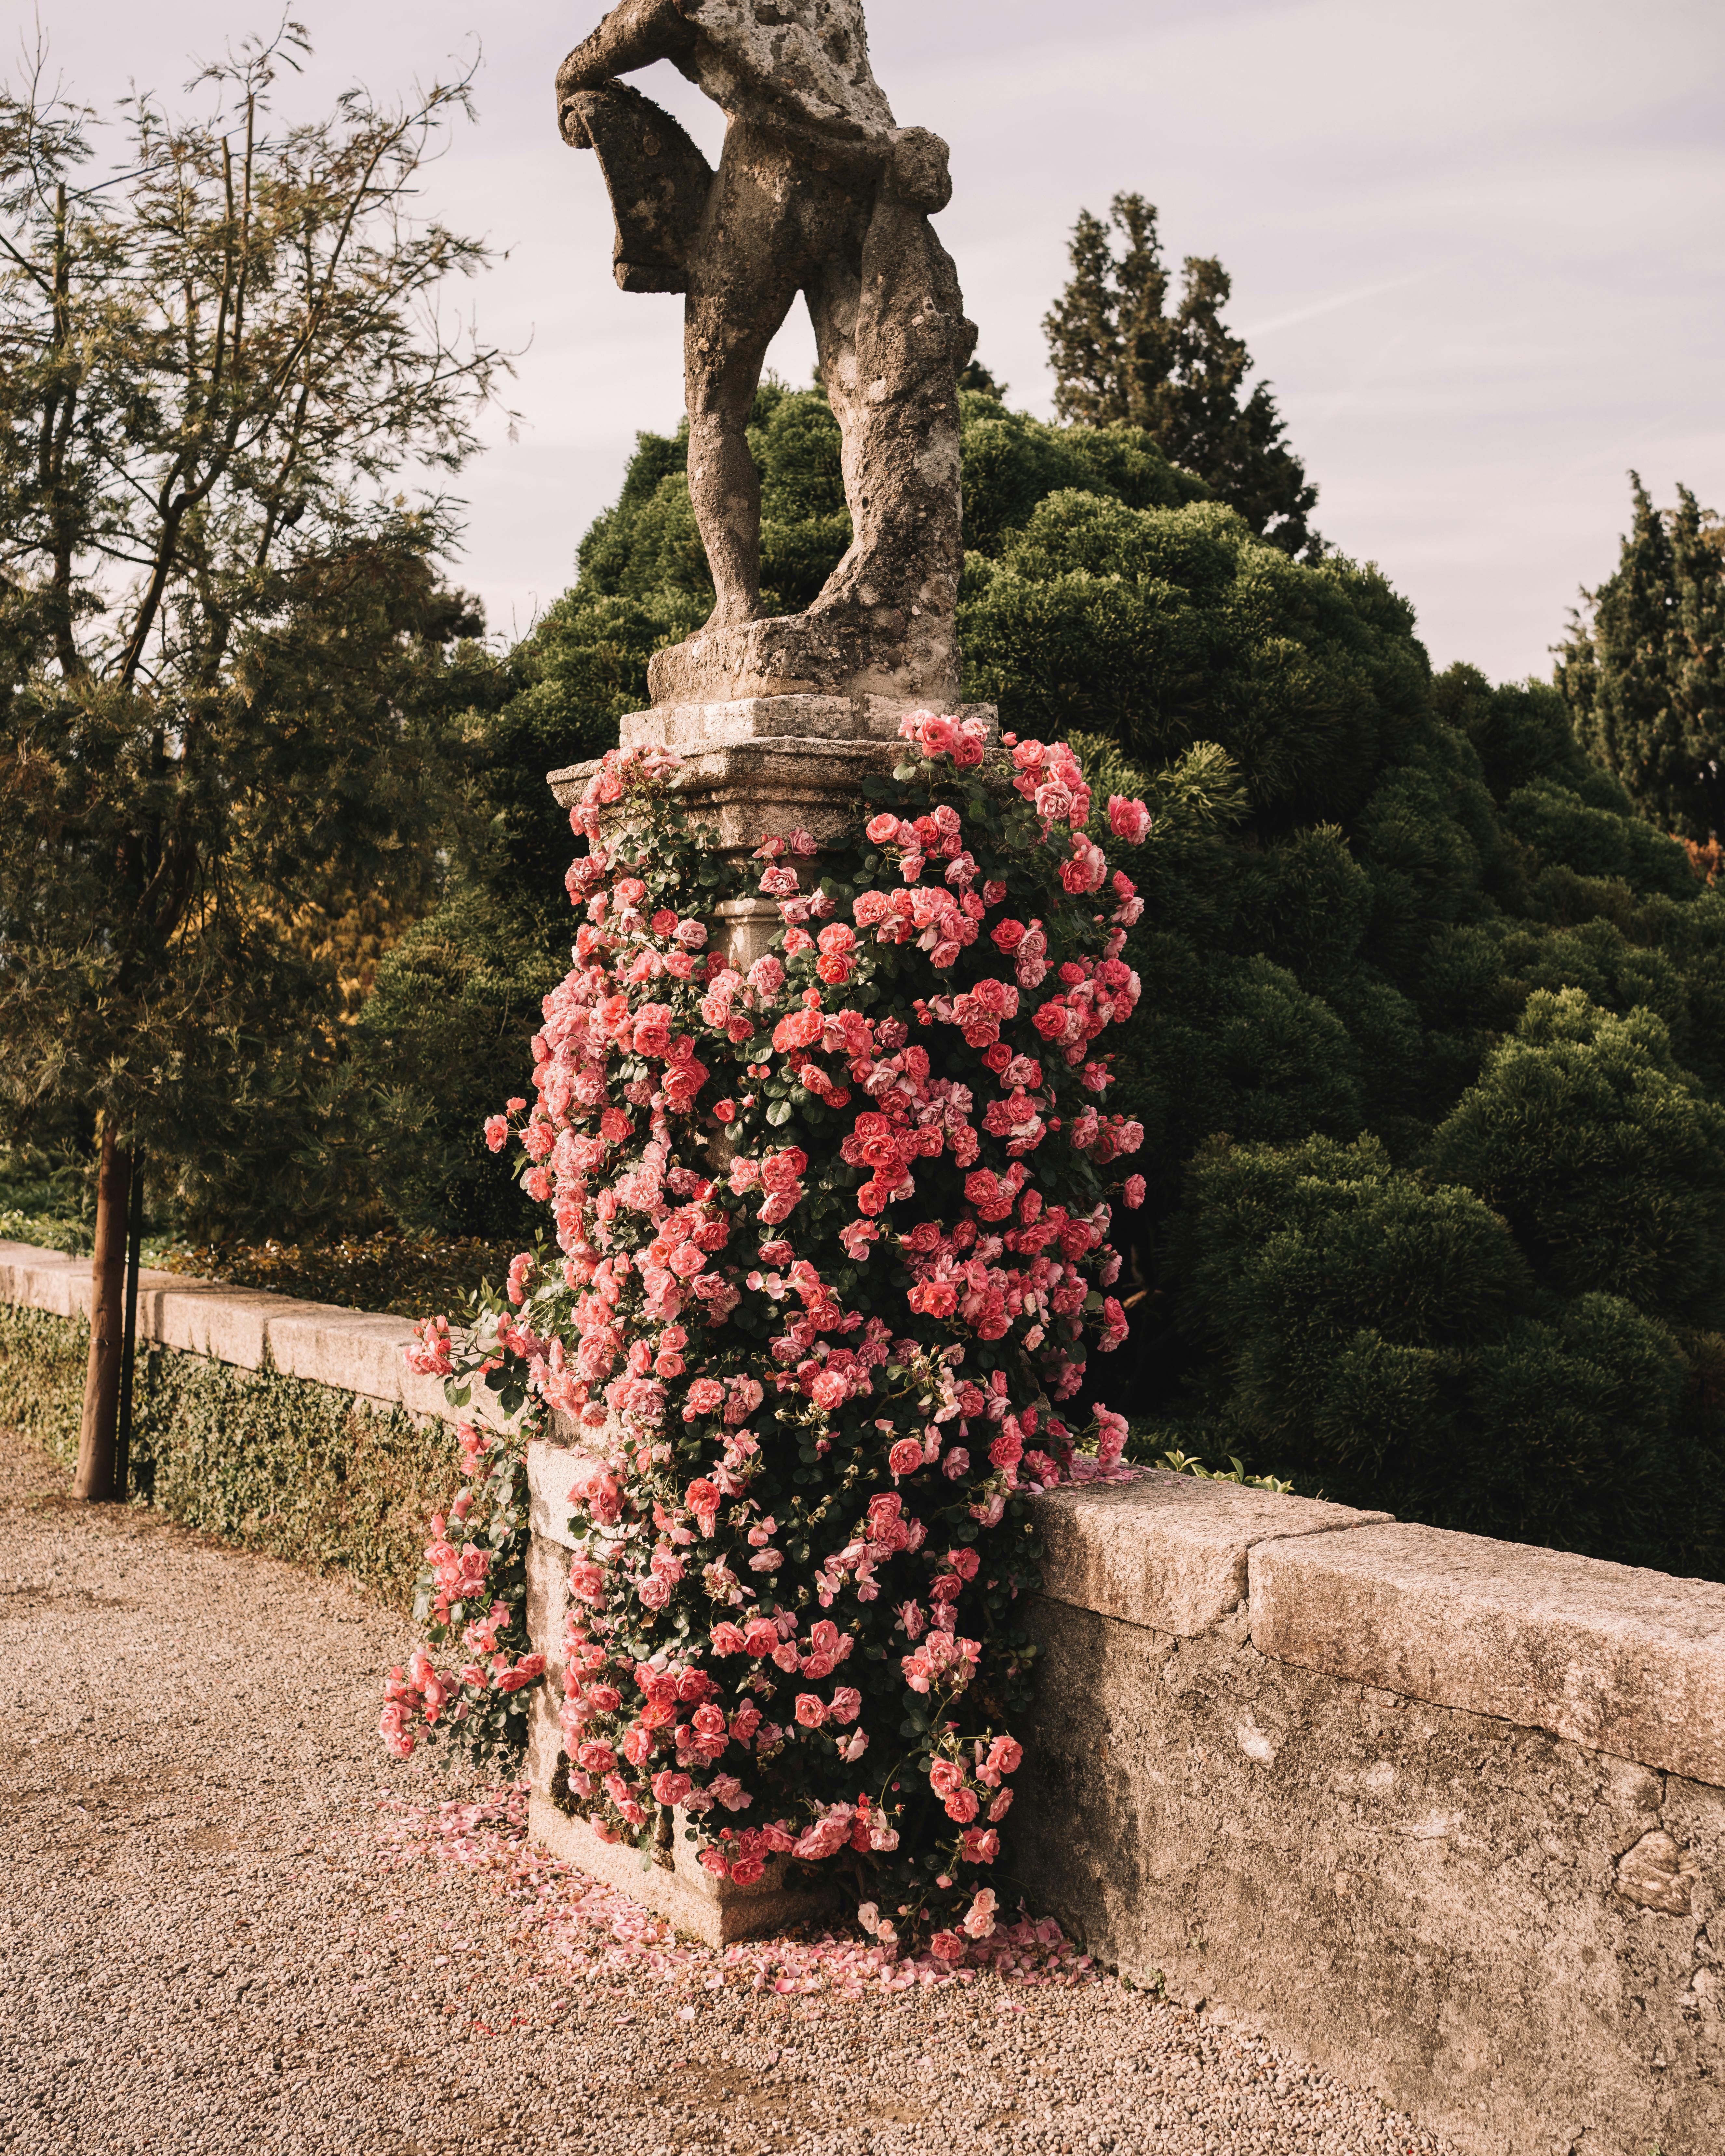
(817, 192)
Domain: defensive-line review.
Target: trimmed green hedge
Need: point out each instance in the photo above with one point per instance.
(268, 1462)
(399, 1276)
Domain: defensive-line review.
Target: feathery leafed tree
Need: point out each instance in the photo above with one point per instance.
(1120, 358)
(226, 704)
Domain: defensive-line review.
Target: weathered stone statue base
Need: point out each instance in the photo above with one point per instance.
(868, 649)
(670, 1883)
(757, 765)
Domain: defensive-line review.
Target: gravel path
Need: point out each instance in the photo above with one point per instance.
(205, 1943)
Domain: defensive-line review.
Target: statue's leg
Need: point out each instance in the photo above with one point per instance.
(744, 270)
(890, 329)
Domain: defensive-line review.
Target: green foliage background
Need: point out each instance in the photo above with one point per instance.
(1430, 1053)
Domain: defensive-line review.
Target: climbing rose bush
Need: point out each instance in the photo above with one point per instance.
(472, 1597)
(828, 1249)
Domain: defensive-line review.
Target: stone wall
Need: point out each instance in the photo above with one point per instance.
(1447, 1814)
(352, 1351)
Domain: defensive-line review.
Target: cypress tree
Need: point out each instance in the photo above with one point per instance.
(1120, 358)
(1644, 670)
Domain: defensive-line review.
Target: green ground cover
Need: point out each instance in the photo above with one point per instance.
(268, 1462)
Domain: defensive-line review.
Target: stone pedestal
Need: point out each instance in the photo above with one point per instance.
(755, 765)
(673, 1886)
(671, 1882)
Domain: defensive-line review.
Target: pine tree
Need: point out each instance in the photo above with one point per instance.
(1120, 358)
(1643, 671)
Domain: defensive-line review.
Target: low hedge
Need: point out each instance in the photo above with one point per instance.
(267, 1462)
(401, 1276)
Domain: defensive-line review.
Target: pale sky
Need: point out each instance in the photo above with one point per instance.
(1477, 247)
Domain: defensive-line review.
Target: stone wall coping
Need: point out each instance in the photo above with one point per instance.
(351, 1350)
(1169, 1550)
(1623, 1661)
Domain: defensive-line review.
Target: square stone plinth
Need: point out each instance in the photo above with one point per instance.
(755, 765)
(706, 1908)
(714, 1911)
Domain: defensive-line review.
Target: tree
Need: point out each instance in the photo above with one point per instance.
(1120, 358)
(1643, 670)
(226, 701)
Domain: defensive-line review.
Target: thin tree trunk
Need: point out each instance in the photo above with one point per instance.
(128, 1358)
(107, 1325)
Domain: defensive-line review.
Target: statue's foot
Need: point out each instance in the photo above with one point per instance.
(843, 605)
(732, 613)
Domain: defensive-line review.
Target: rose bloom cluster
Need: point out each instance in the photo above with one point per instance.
(829, 1249)
(471, 1599)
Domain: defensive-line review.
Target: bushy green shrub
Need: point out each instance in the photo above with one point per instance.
(440, 1042)
(1382, 1333)
(1604, 1158)
(48, 1196)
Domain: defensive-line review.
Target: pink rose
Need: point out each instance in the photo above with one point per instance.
(652, 1033)
(979, 1918)
(905, 1456)
(1128, 819)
